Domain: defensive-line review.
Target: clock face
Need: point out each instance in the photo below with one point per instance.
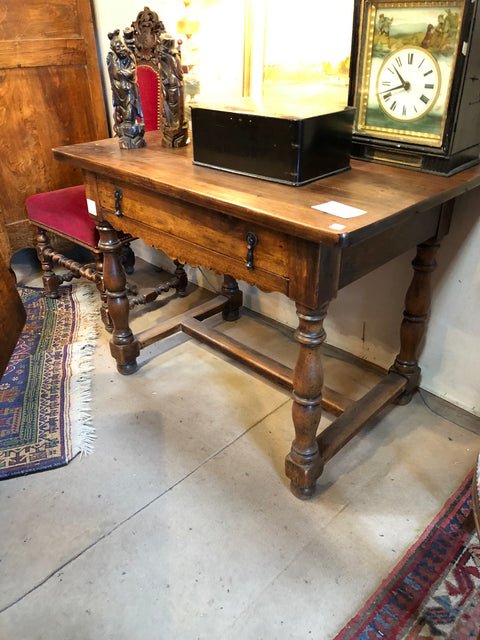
(408, 84)
(407, 58)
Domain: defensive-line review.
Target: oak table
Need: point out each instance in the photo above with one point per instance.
(269, 235)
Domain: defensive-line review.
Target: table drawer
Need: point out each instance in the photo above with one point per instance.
(166, 222)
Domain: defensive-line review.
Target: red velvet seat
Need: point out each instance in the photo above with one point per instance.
(65, 212)
(74, 223)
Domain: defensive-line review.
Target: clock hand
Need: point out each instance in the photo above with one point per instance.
(405, 83)
(399, 76)
(400, 86)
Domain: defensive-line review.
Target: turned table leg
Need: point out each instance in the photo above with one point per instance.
(417, 306)
(231, 290)
(181, 274)
(303, 464)
(123, 346)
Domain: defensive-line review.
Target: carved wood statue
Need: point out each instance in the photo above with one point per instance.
(122, 69)
(176, 127)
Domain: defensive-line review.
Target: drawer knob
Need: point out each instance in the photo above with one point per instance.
(251, 244)
(118, 195)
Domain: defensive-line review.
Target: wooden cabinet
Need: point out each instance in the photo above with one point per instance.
(51, 95)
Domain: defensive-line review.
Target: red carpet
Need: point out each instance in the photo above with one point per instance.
(433, 592)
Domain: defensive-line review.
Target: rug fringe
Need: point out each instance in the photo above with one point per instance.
(86, 297)
(82, 430)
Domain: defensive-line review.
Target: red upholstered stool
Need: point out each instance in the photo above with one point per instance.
(64, 212)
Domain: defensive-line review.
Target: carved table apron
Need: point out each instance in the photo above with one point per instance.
(268, 235)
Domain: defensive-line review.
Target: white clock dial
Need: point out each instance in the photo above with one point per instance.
(408, 84)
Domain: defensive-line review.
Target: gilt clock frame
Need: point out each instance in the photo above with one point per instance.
(459, 144)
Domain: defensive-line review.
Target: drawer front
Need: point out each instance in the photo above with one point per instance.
(198, 235)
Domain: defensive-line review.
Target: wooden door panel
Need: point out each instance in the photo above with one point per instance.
(38, 20)
(47, 108)
(52, 95)
(36, 53)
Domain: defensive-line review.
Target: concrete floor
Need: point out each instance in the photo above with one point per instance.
(181, 524)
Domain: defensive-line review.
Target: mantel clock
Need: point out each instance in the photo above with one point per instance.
(415, 83)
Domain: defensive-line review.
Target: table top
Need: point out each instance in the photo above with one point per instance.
(385, 193)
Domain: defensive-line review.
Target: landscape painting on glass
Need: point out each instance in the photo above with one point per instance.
(307, 51)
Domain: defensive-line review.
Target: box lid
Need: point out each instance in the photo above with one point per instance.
(274, 108)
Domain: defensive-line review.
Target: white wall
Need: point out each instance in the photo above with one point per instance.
(450, 357)
(365, 318)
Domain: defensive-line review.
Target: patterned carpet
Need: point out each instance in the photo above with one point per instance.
(45, 391)
(433, 592)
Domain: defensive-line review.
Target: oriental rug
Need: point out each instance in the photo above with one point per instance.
(433, 592)
(45, 391)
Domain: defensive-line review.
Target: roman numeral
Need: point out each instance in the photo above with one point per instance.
(393, 106)
(429, 86)
(398, 61)
(428, 72)
(424, 99)
(387, 96)
(410, 58)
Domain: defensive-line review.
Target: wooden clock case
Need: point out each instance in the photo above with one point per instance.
(460, 146)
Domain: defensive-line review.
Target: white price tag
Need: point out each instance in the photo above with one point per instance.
(92, 207)
(339, 209)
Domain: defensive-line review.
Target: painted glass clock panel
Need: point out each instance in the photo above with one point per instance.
(408, 67)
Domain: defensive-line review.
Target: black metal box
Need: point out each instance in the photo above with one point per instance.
(291, 149)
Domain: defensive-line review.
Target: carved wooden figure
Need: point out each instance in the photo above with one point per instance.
(122, 69)
(175, 133)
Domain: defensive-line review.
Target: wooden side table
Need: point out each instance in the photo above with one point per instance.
(272, 236)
